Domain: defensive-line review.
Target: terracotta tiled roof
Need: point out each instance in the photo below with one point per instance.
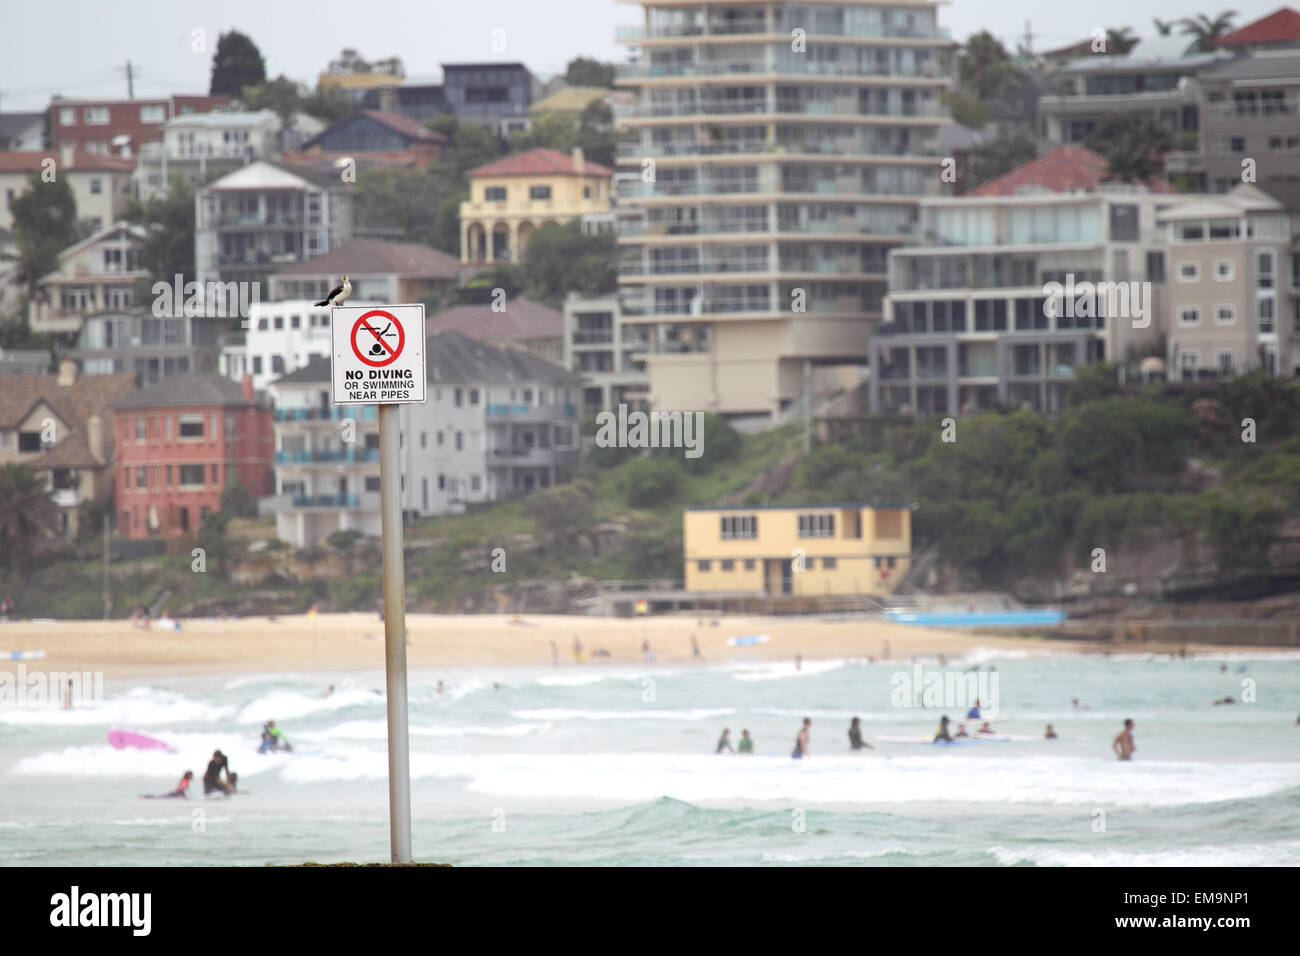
(1279, 26)
(539, 162)
(1064, 169)
(73, 452)
(523, 319)
(75, 403)
(373, 257)
(30, 162)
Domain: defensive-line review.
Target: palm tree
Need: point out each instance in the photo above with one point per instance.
(984, 67)
(1206, 30)
(1164, 27)
(1120, 41)
(26, 511)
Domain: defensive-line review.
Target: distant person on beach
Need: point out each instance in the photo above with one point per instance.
(578, 655)
(1123, 744)
(747, 742)
(555, 654)
(1050, 734)
(855, 736)
(212, 782)
(329, 691)
(961, 732)
(885, 651)
(695, 648)
(801, 742)
(273, 738)
(6, 606)
(182, 788)
(724, 742)
(974, 712)
(798, 662)
(943, 733)
(646, 652)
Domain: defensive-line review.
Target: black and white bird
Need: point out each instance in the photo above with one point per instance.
(338, 295)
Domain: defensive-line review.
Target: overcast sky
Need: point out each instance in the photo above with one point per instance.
(80, 47)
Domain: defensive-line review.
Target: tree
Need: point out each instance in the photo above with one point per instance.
(236, 64)
(984, 67)
(167, 248)
(1119, 40)
(1133, 146)
(1014, 144)
(281, 96)
(27, 511)
(651, 482)
(584, 71)
(1207, 30)
(237, 500)
(560, 259)
(1164, 27)
(44, 224)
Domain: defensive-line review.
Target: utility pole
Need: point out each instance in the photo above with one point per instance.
(807, 405)
(130, 82)
(108, 594)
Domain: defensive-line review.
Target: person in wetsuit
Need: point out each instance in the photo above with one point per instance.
(182, 788)
(724, 742)
(273, 738)
(801, 742)
(943, 733)
(212, 782)
(855, 736)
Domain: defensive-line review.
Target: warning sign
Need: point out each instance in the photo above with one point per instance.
(378, 354)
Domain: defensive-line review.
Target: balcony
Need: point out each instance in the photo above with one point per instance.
(531, 457)
(1184, 161)
(593, 337)
(334, 413)
(334, 456)
(530, 414)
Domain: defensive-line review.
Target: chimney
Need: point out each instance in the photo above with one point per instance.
(579, 161)
(66, 153)
(95, 435)
(246, 386)
(67, 373)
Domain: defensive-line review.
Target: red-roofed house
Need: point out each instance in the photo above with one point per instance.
(1065, 169)
(525, 325)
(1279, 30)
(101, 185)
(511, 197)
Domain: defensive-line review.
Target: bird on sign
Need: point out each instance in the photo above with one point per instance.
(338, 295)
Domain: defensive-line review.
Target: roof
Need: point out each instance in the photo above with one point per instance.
(316, 370)
(404, 125)
(1064, 169)
(849, 506)
(221, 118)
(522, 319)
(30, 162)
(11, 124)
(132, 230)
(322, 163)
(370, 257)
(265, 174)
(1281, 25)
(1081, 46)
(195, 388)
(1241, 198)
(571, 99)
(451, 356)
(539, 162)
(1265, 65)
(74, 404)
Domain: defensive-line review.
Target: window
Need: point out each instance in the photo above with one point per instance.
(295, 321)
(750, 564)
(424, 439)
(169, 475)
(67, 117)
(277, 364)
(139, 429)
(96, 187)
(1225, 314)
(744, 526)
(473, 396)
(816, 526)
(440, 437)
(191, 426)
(279, 323)
(442, 482)
(828, 564)
(212, 473)
(141, 476)
(460, 397)
(1189, 315)
(475, 483)
(29, 441)
(1264, 269)
(372, 482)
(95, 115)
(539, 192)
(152, 114)
(704, 565)
(460, 441)
(1225, 270)
(1265, 313)
(726, 564)
(257, 365)
(263, 325)
(1225, 363)
(191, 474)
(494, 194)
(1188, 364)
(1189, 271)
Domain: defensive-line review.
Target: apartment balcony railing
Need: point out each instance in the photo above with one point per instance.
(634, 35)
(1184, 161)
(526, 414)
(332, 456)
(696, 266)
(334, 413)
(231, 221)
(593, 337)
(763, 65)
(1276, 109)
(325, 501)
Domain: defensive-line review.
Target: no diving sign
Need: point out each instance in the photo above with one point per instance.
(377, 354)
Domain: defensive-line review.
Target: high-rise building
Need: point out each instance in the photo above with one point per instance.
(780, 150)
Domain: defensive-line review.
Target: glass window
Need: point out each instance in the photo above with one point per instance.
(817, 526)
(192, 474)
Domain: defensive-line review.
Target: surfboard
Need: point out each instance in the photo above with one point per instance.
(746, 639)
(121, 739)
(928, 740)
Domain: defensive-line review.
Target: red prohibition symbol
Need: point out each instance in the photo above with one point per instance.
(374, 349)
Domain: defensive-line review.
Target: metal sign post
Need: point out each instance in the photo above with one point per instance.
(378, 358)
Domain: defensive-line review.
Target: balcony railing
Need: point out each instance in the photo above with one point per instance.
(802, 66)
(325, 501)
(340, 456)
(335, 413)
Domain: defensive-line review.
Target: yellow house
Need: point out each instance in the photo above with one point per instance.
(809, 550)
(512, 197)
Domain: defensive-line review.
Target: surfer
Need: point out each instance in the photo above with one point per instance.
(974, 712)
(855, 736)
(724, 742)
(182, 789)
(801, 742)
(746, 745)
(986, 729)
(212, 782)
(1123, 744)
(273, 738)
(961, 732)
(1051, 734)
(943, 733)
(1225, 700)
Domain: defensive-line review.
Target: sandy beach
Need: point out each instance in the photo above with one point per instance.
(351, 641)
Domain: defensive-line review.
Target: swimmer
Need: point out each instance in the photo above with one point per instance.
(746, 745)
(943, 733)
(724, 742)
(855, 736)
(961, 732)
(1123, 744)
(1050, 734)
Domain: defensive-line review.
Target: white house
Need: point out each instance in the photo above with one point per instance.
(280, 337)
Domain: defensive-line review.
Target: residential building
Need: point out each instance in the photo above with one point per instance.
(1278, 30)
(1251, 111)
(772, 179)
(278, 338)
(94, 275)
(24, 361)
(121, 127)
(417, 99)
(497, 423)
(571, 99)
(520, 323)
(809, 550)
(969, 325)
(607, 351)
(263, 217)
(58, 425)
(357, 86)
(101, 185)
(512, 197)
(180, 444)
(1061, 56)
(1234, 287)
(1156, 79)
(200, 147)
(386, 272)
(152, 348)
(493, 94)
(369, 131)
(22, 132)
(13, 290)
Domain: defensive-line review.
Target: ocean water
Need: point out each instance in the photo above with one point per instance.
(609, 764)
